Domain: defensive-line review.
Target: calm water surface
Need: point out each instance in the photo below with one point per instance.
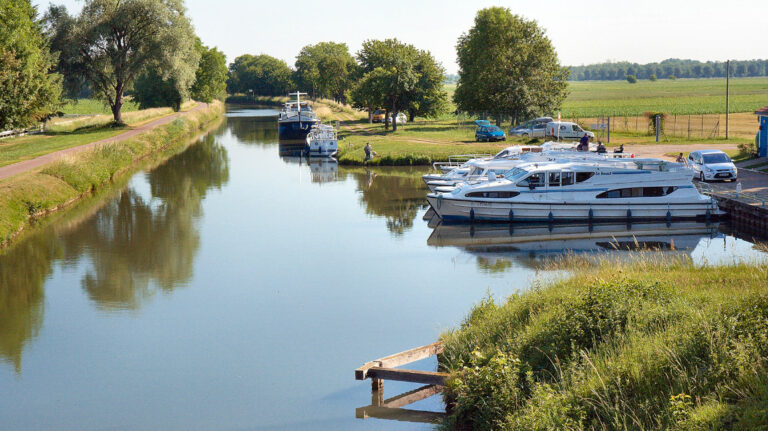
(232, 289)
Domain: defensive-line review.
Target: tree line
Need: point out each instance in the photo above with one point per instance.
(508, 69)
(113, 48)
(670, 68)
(384, 74)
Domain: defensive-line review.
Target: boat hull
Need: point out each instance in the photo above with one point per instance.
(294, 130)
(520, 211)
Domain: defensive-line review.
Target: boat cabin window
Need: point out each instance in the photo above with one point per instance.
(492, 195)
(566, 178)
(516, 174)
(583, 176)
(554, 179)
(637, 192)
(534, 180)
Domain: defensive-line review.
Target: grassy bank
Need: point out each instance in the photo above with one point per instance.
(643, 346)
(25, 197)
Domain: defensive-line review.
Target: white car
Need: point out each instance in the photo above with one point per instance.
(709, 165)
(566, 130)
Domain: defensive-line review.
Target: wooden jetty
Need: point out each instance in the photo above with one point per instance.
(385, 369)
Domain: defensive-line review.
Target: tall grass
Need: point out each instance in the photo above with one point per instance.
(64, 124)
(649, 345)
(36, 193)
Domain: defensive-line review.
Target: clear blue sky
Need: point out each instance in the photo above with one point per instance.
(583, 32)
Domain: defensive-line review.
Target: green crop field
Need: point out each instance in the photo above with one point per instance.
(682, 96)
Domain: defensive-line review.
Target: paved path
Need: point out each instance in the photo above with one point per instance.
(28, 165)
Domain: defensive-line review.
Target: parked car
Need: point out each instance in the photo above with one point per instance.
(378, 116)
(401, 118)
(485, 131)
(532, 128)
(710, 165)
(566, 130)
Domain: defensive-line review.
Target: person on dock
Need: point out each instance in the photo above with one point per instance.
(619, 150)
(601, 148)
(681, 159)
(369, 153)
(583, 143)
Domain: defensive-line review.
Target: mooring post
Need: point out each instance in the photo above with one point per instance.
(377, 392)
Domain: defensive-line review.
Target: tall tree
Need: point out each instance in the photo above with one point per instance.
(507, 66)
(406, 78)
(28, 90)
(59, 27)
(211, 76)
(262, 74)
(118, 40)
(326, 68)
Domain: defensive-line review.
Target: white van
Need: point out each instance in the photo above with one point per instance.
(566, 130)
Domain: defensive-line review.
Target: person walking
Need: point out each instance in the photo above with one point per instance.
(369, 153)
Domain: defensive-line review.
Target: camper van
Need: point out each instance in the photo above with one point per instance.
(566, 130)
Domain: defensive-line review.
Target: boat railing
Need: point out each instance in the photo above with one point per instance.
(457, 160)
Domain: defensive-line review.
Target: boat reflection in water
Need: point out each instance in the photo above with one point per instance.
(528, 244)
(321, 170)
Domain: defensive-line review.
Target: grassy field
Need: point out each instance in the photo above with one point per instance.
(93, 106)
(645, 346)
(38, 192)
(63, 133)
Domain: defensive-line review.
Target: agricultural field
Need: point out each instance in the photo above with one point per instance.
(681, 97)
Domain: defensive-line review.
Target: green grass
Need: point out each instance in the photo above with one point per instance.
(28, 147)
(93, 106)
(646, 346)
(36, 193)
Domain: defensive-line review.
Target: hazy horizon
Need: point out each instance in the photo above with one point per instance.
(594, 32)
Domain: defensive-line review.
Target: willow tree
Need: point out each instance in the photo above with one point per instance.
(508, 67)
(118, 40)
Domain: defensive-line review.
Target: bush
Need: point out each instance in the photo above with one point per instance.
(673, 77)
(652, 77)
(747, 149)
(631, 79)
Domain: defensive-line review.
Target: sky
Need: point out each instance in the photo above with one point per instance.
(582, 32)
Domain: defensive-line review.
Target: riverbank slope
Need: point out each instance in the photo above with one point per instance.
(27, 196)
(648, 345)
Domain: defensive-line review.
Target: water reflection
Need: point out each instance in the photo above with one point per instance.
(394, 193)
(133, 242)
(321, 169)
(253, 126)
(500, 247)
(23, 269)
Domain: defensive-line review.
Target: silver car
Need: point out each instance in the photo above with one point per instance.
(533, 128)
(712, 165)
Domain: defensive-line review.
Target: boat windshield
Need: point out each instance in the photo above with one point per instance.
(503, 153)
(716, 158)
(515, 174)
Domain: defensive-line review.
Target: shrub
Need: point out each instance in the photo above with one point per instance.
(672, 77)
(631, 79)
(652, 77)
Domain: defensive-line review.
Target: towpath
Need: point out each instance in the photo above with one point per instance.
(28, 165)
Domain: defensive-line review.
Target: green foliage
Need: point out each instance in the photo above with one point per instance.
(672, 77)
(152, 91)
(28, 92)
(652, 77)
(508, 67)
(326, 70)
(631, 79)
(211, 76)
(645, 346)
(669, 67)
(261, 74)
(119, 40)
(59, 28)
(399, 77)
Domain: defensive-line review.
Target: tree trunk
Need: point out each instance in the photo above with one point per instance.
(411, 116)
(117, 107)
(394, 115)
(386, 119)
(370, 115)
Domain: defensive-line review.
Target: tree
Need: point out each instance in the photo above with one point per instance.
(261, 74)
(29, 92)
(152, 91)
(652, 77)
(59, 26)
(326, 68)
(118, 40)
(211, 76)
(631, 79)
(507, 66)
(405, 78)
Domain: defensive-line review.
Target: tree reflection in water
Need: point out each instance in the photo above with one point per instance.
(394, 193)
(253, 130)
(134, 246)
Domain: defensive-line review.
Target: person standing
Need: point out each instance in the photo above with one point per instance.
(584, 143)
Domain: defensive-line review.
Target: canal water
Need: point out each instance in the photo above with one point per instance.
(229, 288)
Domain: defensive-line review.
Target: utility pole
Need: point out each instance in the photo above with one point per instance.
(727, 92)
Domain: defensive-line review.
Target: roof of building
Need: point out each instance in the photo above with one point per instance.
(762, 111)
